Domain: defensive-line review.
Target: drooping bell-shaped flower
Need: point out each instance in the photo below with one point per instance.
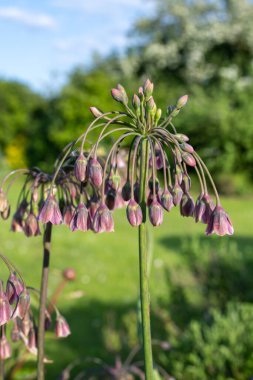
(80, 219)
(50, 211)
(134, 213)
(219, 223)
(167, 200)
(103, 220)
(5, 309)
(209, 207)
(22, 304)
(68, 213)
(31, 225)
(5, 348)
(126, 191)
(14, 288)
(95, 172)
(155, 213)
(15, 332)
(80, 167)
(187, 205)
(177, 193)
(62, 329)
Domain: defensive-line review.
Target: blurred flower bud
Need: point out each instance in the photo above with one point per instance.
(3, 201)
(136, 104)
(95, 112)
(80, 167)
(209, 207)
(167, 200)
(15, 333)
(126, 191)
(200, 207)
(155, 213)
(50, 211)
(179, 174)
(187, 147)
(6, 213)
(119, 94)
(26, 324)
(177, 194)
(48, 320)
(95, 172)
(68, 214)
(69, 274)
(80, 218)
(148, 88)
(111, 198)
(186, 183)
(31, 225)
(219, 223)
(134, 213)
(187, 205)
(188, 159)
(32, 341)
(181, 138)
(103, 220)
(5, 348)
(14, 288)
(5, 309)
(158, 115)
(62, 329)
(182, 101)
(22, 304)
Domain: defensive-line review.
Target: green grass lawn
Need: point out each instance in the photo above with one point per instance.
(100, 305)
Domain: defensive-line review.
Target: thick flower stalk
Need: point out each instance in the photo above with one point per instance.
(157, 176)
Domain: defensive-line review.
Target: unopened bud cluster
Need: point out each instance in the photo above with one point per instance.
(86, 186)
(16, 312)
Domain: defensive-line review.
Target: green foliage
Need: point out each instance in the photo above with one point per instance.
(220, 349)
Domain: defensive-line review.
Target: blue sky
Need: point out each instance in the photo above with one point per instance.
(40, 41)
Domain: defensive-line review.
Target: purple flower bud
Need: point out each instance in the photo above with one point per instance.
(177, 194)
(80, 167)
(199, 208)
(5, 348)
(119, 94)
(26, 324)
(181, 138)
(32, 341)
(111, 199)
(50, 211)
(80, 219)
(126, 191)
(186, 183)
(103, 220)
(188, 159)
(179, 174)
(182, 101)
(15, 333)
(136, 103)
(14, 288)
(62, 329)
(148, 88)
(187, 205)
(158, 115)
(167, 200)
(150, 105)
(209, 207)
(155, 213)
(31, 226)
(134, 213)
(95, 112)
(22, 304)
(68, 214)
(3, 201)
(137, 191)
(219, 223)
(187, 147)
(95, 172)
(5, 309)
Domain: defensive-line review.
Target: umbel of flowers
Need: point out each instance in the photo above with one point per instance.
(85, 188)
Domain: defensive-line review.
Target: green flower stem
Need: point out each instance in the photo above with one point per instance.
(1, 369)
(143, 264)
(43, 301)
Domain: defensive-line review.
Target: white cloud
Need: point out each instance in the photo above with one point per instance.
(32, 19)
